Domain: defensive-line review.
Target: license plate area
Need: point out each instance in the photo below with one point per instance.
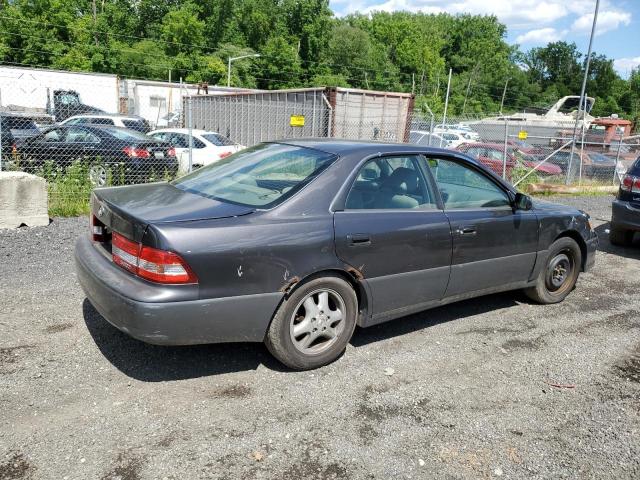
(158, 154)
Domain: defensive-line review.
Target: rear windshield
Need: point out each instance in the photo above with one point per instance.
(261, 177)
(217, 139)
(127, 135)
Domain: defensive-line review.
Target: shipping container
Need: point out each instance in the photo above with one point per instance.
(249, 118)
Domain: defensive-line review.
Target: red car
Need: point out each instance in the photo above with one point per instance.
(492, 155)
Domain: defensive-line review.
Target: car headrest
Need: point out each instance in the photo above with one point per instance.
(402, 180)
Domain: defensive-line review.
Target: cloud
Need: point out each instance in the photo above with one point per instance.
(625, 65)
(607, 20)
(540, 35)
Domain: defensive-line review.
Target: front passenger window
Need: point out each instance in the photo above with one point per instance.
(463, 187)
(390, 183)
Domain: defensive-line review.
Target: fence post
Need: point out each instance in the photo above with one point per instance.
(1, 157)
(506, 139)
(190, 126)
(615, 168)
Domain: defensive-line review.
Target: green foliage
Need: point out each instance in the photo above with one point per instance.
(303, 44)
(69, 189)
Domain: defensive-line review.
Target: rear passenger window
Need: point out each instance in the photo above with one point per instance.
(390, 183)
(102, 121)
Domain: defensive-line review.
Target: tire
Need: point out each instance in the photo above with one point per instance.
(620, 236)
(318, 339)
(98, 174)
(560, 273)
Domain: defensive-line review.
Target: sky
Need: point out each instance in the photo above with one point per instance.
(534, 23)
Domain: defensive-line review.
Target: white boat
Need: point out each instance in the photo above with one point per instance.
(540, 127)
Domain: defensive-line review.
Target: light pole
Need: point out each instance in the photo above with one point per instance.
(231, 59)
(583, 100)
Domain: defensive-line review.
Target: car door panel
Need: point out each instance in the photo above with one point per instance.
(494, 245)
(501, 251)
(403, 250)
(406, 260)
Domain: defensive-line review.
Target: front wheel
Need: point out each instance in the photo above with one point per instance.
(314, 324)
(559, 274)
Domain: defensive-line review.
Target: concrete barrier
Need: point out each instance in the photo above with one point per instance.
(23, 200)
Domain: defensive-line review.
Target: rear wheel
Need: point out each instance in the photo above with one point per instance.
(314, 324)
(620, 236)
(559, 274)
(98, 175)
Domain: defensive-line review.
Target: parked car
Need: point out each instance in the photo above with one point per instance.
(625, 216)
(208, 147)
(424, 138)
(594, 164)
(492, 155)
(16, 127)
(132, 122)
(123, 152)
(295, 242)
(461, 129)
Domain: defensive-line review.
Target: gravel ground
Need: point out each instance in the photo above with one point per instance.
(470, 396)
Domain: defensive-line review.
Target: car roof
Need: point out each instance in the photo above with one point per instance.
(107, 115)
(499, 146)
(347, 147)
(196, 131)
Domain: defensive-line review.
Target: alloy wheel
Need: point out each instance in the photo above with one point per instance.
(317, 321)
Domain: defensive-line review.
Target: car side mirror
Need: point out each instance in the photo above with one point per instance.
(523, 202)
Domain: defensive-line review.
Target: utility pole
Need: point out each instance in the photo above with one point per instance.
(583, 101)
(231, 59)
(446, 104)
(504, 93)
(464, 105)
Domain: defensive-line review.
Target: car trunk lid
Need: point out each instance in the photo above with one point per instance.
(128, 210)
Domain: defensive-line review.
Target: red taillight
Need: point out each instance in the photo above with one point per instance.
(630, 184)
(225, 154)
(134, 152)
(171, 152)
(97, 229)
(150, 263)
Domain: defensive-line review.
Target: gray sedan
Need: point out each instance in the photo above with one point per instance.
(294, 243)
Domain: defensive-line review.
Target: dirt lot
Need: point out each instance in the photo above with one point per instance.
(471, 396)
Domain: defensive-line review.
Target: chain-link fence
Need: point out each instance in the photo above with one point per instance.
(532, 149)
(81, 131)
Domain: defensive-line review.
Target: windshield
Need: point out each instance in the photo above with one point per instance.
(217, 139)
(262, 176)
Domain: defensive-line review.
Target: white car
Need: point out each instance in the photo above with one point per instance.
(132, 122)
(461, 129)
(422, 137)
(208, 147)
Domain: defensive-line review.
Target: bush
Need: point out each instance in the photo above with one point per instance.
(69, 189)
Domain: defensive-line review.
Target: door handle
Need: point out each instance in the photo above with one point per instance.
(358, 239)
(467, 230)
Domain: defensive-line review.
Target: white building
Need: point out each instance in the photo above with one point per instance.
(29, 89)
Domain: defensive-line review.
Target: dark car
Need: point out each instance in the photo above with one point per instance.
(124, 153)
(16, 127)
(594, 164)
(294, 243)
(625, 216)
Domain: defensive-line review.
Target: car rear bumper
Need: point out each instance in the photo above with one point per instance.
(623, 215)
(109, 289)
